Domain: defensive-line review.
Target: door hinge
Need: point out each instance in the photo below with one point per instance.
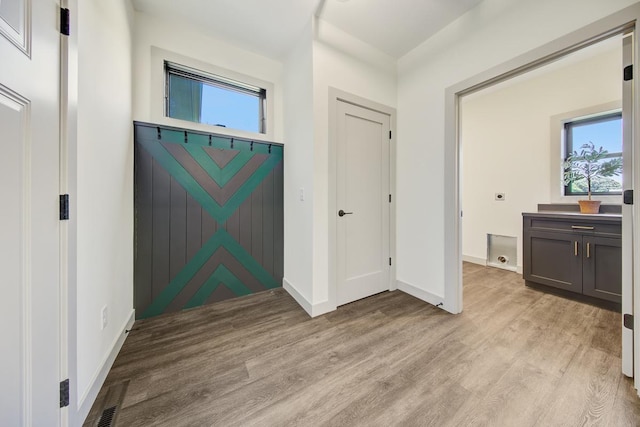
(389, 134)
(627, 197)
(627, 74)
(628, 321)
(64, 393)
(65, 21)
(389, 198)
(389, 260)
(64, 207)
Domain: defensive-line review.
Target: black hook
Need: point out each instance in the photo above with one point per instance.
(232, 143)
(186, 138)
(269, 148)
(159, 133)
(251, 145)
(209, 140)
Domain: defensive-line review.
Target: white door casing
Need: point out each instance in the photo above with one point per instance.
(363, 188)
(29, 230)
(627, 210)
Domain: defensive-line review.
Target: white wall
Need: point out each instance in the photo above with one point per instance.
(104, 194)
(506, 148)
(492, 33)
(181, 39)
(324, 57)
(298, 170)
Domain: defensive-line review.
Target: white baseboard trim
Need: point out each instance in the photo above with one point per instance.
(483, 261)
(312, 310)
(89, 397)
(474, 260)
(302, 301)
(420, 293)
(323, 307)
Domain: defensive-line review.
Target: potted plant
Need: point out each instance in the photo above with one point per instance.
(589, 165)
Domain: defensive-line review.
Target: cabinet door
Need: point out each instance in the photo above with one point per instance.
(554, 259)
(602, 268)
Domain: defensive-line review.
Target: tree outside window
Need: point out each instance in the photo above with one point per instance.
(603, 131)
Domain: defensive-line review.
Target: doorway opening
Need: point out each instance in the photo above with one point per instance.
(513, 142)
(550, 55)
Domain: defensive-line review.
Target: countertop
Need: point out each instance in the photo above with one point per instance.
(575, 216)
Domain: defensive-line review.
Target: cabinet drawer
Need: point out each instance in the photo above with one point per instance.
(583, 227)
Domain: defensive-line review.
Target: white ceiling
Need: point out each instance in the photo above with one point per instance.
(270, 27)
(394, 26)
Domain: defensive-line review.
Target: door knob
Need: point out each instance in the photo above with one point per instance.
(343, 213)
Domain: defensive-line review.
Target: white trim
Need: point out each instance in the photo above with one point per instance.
(89, 396)
(627, 211)
(336, 95)
(158, 56)
(516, 269)
(636, 206)
(312, 310)
(421, 294)
(483, 262)
(67, 129)
(69, 231)
(474, 260)
(302, 301)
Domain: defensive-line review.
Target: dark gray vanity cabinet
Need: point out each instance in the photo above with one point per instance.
(602, 267)
(576, 253)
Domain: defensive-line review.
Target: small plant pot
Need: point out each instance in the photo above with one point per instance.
(589, 206)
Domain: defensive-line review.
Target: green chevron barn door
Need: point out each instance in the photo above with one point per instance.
(208, 218)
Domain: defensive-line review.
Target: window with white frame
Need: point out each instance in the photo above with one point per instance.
(200, 97)
(604, 131)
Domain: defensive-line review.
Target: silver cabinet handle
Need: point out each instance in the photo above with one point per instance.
(588, 250)
(575, 248)
(582, 227)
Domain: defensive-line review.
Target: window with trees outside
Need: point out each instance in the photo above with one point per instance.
(603, 131)
(205, 98)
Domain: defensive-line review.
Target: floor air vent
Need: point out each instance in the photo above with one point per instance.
(106, 419)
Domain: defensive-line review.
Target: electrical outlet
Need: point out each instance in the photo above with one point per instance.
(105, 317)
(500, 197)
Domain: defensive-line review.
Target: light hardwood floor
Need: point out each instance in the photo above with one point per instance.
(514, 357)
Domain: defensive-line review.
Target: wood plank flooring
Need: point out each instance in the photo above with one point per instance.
(514, 357)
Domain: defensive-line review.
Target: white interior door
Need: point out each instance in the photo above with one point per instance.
(29, 176)
(363, 264)
(627, 210)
